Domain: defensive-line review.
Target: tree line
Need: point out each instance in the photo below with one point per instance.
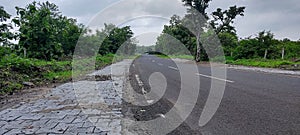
(264, 45)
(44, 33)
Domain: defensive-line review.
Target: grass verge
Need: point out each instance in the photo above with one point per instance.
(265, 63)
(187, 57)
(16, 73)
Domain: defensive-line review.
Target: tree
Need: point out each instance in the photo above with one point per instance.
(200, 6)
(5, 34)
(229, 42)
(113, 38)
(246, 49)
(265, 39)
(70, 34)
(175, 28)
(289, 49)
(282, 46)
(223, 20)
(44, 32)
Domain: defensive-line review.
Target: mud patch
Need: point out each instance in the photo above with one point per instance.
(59, 109)
(99, 78)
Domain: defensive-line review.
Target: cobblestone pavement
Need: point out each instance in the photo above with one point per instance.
(83, 107)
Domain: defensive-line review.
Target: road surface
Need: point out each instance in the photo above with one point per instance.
(253, 102)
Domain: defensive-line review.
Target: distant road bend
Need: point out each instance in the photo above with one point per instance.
(253, 103)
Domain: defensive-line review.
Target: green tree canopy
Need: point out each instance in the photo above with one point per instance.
(44, 32)
(223, 20)
(5, 27)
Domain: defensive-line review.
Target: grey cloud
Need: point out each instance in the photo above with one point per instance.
(281, 17)
(83, 7)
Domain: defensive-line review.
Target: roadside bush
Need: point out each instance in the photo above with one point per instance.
(15, 70)
(4, 51)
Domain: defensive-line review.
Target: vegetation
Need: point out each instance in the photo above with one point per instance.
(265, 46)
(262, 50)
(187, 57)
(16, 70)
(5, 34)
(46, 43)
(44, 33)
(272, 63)
(221, 23)
(143, 49)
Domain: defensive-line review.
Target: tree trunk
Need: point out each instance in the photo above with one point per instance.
(266, 53)
(198, 53)
(282, 53)
(231, 54)
(25, 52)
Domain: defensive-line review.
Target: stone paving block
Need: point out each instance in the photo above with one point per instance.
(43, 131)
(51, 123)
(11, 116)
(90, 134)
(86, 130)
(18, 124)
(40, 123)
(115, 122)
(4, 112)
(3, 131)
(14, 132)
(56, 115)
(68, 119)
(99, 131)
(52, 115)
(3, 123)
(60, 128)
(29, 130)
(88, 124)
(48, 130)
(74, 112)
(92, 111)
(103, 124)
(79, 119)
(93, 119)
(32, 116)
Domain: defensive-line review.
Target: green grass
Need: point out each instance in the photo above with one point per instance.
(102, 61)
(15, 70)
(58, 76)
(187, 57)
(261, 63)
(162, 56)
(266, 63)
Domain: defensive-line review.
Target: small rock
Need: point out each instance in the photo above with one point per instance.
(150, 101)
(28, 84)
(161, 115)
(143, 110)
(28, 127)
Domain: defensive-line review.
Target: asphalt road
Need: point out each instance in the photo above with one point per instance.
(253, 102)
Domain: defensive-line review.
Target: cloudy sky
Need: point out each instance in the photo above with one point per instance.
(147, 17)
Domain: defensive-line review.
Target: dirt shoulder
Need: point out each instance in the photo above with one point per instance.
(25, 96)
